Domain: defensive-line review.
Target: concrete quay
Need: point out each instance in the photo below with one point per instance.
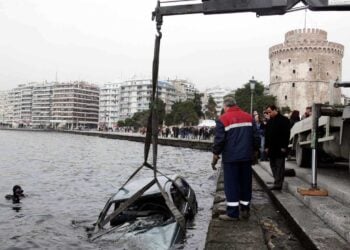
(265, 229)
(311, 222)
(322, 222)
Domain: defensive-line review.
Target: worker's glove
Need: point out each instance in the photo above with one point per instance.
(214, 161)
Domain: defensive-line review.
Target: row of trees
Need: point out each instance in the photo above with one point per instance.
(189, 112)
(260, 100)
(140, 119)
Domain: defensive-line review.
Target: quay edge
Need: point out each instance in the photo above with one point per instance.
(204, 145)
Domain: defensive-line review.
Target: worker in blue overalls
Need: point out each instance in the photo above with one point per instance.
(234, 139)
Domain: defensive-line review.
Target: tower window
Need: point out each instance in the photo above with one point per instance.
(293, 71)
(310, 60)
(293, 84)
(310, 69)
(327, 73)
(332, 62)
(279, 62)
(289, 60)
(285, 97)
(276, 77)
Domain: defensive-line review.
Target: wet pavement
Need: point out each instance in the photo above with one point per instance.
(265, 229)
(322, 221)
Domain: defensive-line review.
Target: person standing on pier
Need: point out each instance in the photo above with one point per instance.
(234, 140)
(276, 144)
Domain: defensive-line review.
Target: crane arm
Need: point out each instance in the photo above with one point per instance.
(260, 7)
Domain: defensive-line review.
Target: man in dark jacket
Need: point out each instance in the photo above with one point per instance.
(234, 140)
(276, 144)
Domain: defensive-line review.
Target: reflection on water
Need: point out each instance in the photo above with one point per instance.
(70, 177)
(17, 207)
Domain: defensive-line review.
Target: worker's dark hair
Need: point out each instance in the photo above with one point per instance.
(272, 107)
(229, 101)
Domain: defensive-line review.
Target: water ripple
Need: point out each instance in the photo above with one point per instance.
(70, 177)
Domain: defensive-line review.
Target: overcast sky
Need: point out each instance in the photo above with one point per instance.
(102, 41)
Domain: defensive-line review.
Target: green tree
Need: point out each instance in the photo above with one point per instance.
(211, 109)
(198, 104)
(183, 112)
(285, 109)
(161, 110)
(169, 119)
(121, 123)
(129, 122)
(260, 100)
(140, 119)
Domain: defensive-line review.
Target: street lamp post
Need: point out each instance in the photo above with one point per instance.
(252, 83)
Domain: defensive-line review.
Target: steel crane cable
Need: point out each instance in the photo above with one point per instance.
(154, 124)
(151, 138)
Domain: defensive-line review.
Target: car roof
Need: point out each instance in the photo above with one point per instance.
(133, 186)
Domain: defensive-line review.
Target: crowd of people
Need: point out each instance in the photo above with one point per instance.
(207, 133)
(260, 123)
(240, 138)
(180, 132)
(189, 132)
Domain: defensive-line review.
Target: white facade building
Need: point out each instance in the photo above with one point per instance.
(19, 106)
(184, 89)
(109, 104)
(26, 104)
(218, 95)
(3, 107)
(42, 105)
(119, 101)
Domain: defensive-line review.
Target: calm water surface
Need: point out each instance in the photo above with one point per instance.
(70, 177)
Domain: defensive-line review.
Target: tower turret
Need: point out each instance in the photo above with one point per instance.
(302, 67)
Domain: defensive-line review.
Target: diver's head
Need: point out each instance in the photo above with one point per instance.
(17, 190)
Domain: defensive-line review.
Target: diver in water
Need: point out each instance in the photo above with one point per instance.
(17, 194)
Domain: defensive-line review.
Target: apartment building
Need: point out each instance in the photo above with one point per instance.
(19, 106)
(75, 105)
(109, 104)
(122, 100)
(42, 105)
(3, 107)
(184, 89)
(218, 95)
